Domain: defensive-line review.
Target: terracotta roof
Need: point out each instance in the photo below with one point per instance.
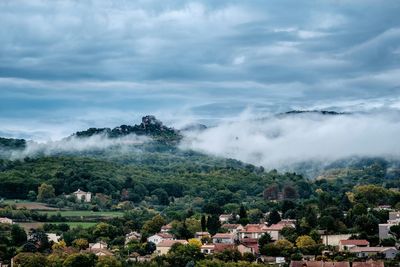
(254, 228)
(164, 235)
(319, 264)
(371, 249)
(223, 235)
(368, 264)
(356, 242)
(169, 243)
(202, 233)
(208, 246)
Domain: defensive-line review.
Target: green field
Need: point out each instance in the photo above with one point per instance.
(76, 224)
(29, 225)
(84, 213)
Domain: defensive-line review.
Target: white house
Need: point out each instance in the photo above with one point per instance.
(232, 228)
(224, 218)
(157, 238)
(254, 231)
(225, 238)
(82, 195)
(388, 252)
(53, 237)
(6, 220)
(346, 245)
(164, 246)
(98, 245)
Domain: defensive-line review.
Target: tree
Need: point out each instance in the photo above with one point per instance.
(59, 246)
(274, 217)
(367, 224)
(40, 239)
(108, 261)
(31, 195)
(80, 260)
(395, 231)
(80, 243)
(242, 212)
(305, 241)
(203, 222)
(30, 260)
(45, 192)
(18, 235)
(154, 225)
(161, 195)
(289, 233)
(180, 255)
(195, 242)
(213, 224)
(264, 240)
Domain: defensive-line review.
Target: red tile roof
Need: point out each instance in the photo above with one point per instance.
(355, 242)
(223, 235)
(368, 264)
(254, 228)
(169, 243)
(319, 264)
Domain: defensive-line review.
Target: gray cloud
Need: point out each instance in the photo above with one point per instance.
(66, 62)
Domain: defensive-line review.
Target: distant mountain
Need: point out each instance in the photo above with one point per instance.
(150, 126)
(322, 112)
(194, 127)
(11, 143)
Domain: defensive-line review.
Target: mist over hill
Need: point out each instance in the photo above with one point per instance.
(308, 142)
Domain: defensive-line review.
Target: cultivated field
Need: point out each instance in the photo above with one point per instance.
(29, 225)
(28, 204)
(84, 213)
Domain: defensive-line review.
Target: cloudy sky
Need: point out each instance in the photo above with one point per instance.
(68, 65)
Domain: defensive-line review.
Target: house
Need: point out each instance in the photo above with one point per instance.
(166, 228)
(345, 245)
(164, 246)
(306, 263)
(157, 238)
(224, 238)
(53, 237)
(200, 235)
(252, 231)
(369, 263)
(217, 247)
(98, 245)
(333, 240)
(394, 216)
(275, 229)
(132, 236)
(82, 195)
(384, 230)
(224, 218)
(207, 249)
(248, 245)
(6, 220)
(386, 252)
(232, 228)
(383, 207)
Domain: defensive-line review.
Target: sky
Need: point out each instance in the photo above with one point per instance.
(70, 65)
